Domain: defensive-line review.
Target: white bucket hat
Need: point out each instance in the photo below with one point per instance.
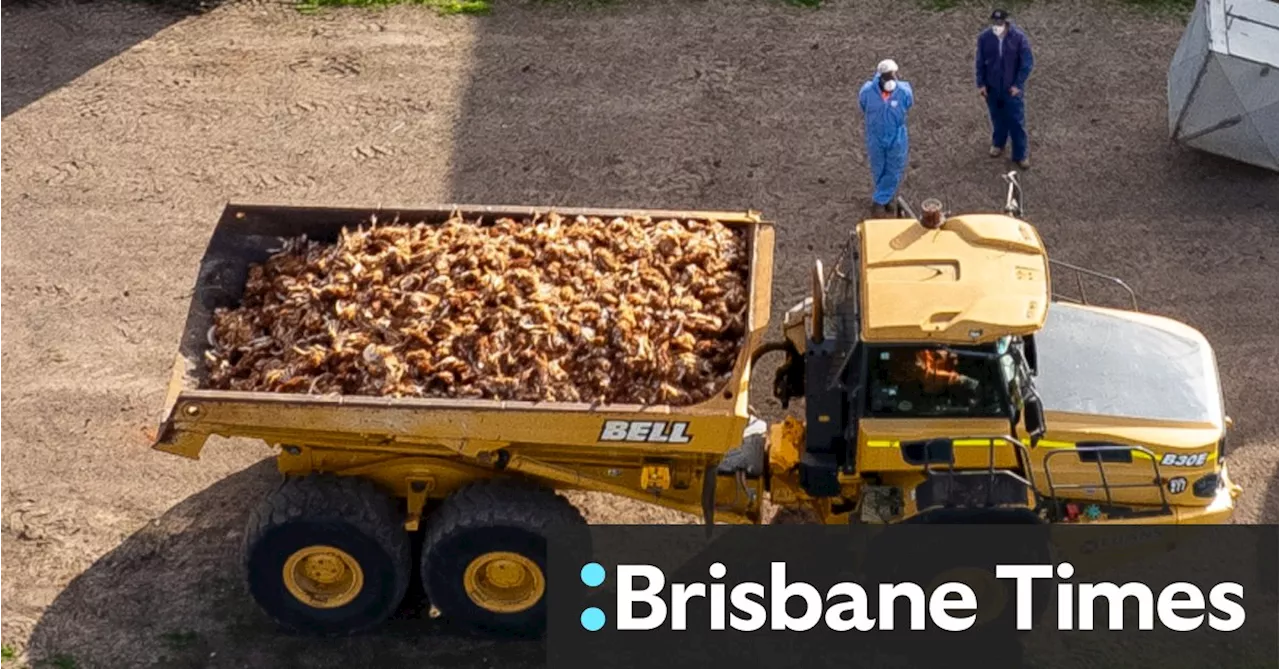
(886, 66)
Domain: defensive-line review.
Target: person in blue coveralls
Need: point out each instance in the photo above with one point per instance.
(1002, 63)
(885, 101)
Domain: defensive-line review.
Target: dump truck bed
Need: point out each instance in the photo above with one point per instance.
(248, 234)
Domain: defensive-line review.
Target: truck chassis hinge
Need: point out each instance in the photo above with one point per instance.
(415, 501)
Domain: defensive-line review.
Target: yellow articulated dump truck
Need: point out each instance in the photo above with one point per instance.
(941, 383)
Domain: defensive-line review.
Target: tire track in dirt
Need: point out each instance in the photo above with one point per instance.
(68, 173)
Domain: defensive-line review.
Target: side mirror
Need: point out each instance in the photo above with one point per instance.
(1033, 418)
(1030, 354)
(1009, 372)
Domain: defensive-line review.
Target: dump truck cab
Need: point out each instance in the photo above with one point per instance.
(941, 378)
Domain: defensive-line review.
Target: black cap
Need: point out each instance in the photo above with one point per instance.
(999, 15)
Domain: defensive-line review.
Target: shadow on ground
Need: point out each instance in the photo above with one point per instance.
(48, 43)
(120, 609)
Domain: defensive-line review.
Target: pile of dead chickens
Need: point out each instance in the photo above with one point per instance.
(549, 309)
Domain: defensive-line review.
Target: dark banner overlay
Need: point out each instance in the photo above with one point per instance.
(902, 596)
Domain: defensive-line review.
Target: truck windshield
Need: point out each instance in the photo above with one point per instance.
(935, 382)
(912, 381)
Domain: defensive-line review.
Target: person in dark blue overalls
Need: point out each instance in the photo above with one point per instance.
(884, 101)
(1002, 63)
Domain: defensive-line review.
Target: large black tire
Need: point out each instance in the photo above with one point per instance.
(994, 633)
(892, 557)
(320, 513)
(473, 525)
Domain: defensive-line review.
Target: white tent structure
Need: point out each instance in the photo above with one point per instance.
(1223, 82)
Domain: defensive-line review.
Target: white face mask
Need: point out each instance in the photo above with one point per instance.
(890, 85)
(998, 30)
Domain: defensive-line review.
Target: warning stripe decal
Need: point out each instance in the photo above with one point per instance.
(1044, 443)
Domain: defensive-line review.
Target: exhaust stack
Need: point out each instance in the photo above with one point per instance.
(931, 214)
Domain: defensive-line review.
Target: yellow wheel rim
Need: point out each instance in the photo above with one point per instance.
(504, 582)
(989, 591)
(323, 577)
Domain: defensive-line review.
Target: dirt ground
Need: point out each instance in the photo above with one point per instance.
(127, 127)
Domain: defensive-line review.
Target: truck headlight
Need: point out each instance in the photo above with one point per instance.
(1207, 485)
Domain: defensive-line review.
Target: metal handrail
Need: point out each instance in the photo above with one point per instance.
(906, 208)
(1081, 272)
(1014, 206)
(1027, 476)
(1020, 452)
(1157, 482)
